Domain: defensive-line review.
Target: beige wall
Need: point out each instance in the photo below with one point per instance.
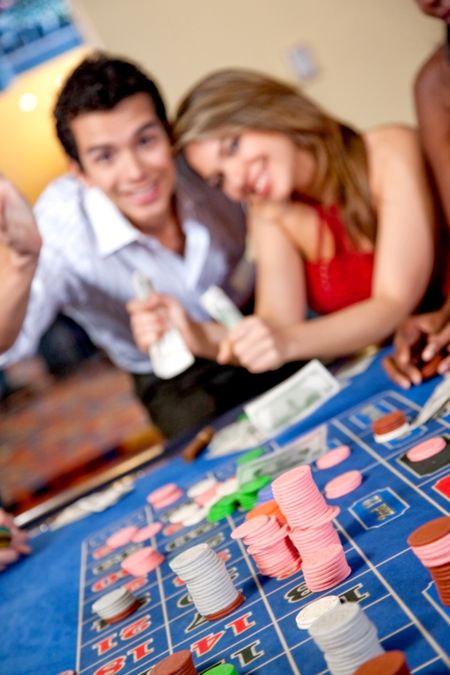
(30, 153)
(367, 50)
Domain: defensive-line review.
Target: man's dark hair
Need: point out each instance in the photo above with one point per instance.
(99, 83)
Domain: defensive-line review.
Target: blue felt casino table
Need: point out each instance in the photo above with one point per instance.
(46, 618)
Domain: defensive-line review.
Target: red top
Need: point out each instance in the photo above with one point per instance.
(344, 279)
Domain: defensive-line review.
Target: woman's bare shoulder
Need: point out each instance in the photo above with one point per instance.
(392, 148)
(391, 139)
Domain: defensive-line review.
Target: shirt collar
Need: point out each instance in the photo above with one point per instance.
(112, 230)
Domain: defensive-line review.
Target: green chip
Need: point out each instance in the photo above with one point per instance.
(247, 502)
(222, 669)
(252, 454)
(255, 485)
(228, 499)
(221, 510)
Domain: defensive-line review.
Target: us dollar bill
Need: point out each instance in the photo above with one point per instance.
(303, 450)
(292, 400)
(222, 309)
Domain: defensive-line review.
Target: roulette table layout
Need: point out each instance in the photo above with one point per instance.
(49, 624)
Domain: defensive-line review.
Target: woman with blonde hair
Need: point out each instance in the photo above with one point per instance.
(341, 222)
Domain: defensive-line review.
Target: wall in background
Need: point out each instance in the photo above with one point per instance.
(30, 153)
(367, 51)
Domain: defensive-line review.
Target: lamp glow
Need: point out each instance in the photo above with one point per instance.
(27, 102)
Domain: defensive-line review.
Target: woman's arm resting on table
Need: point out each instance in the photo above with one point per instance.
(403, 260)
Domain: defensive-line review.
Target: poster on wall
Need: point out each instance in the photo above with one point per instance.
(32, 32)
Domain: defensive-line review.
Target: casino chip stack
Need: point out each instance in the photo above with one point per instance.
(346, 637)
(389, 663)
(116, 605)
(208, 581)
(431, 544)
(269, 544)
(179, 663)
(312, 531)
(390, 426)
(313, 610)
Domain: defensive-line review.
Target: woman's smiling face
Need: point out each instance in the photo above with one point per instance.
(252, 165)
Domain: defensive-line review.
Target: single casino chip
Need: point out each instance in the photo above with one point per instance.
(142, 561)
(389, 663)
(306, 616)
(269, 508)
(255, 485)
(343, 484)
(246, 502)
(390, 426)
(5, 537)
(426, 449)
(429, 369)
(178, 662)
(147, 532)
(430, 532)
(165, 495)
(250, 456)
(122, 537)
(201, 487)
(225, 507)
(221, 669)
(333, 457)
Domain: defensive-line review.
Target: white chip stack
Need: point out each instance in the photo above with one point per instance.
(346, 637)
(207, 579)
(115, 605)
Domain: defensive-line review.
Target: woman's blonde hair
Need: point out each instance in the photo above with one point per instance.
(235, 100)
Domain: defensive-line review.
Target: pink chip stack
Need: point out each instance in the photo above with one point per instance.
(299, 498)
(269, 544)
(141, 562)
(312, 531)
(165, 496)
(308, 540)
(325, 568)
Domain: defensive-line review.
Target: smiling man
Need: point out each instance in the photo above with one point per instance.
(125, 206)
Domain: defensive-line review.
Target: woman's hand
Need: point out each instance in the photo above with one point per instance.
(257, 345)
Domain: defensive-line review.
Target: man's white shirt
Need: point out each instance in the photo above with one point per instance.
(89, 254)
